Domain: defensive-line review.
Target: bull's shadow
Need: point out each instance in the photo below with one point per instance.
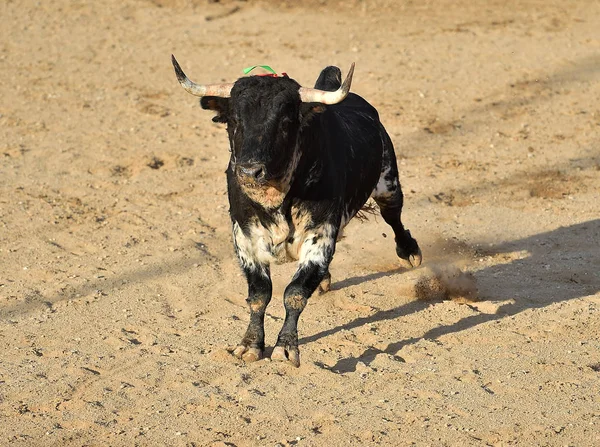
(561, 265)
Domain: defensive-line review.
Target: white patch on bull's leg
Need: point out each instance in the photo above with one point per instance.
(388, 195)
(386, 186)
(318, 246)
(253, 249)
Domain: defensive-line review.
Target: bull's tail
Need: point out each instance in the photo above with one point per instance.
(368, 208)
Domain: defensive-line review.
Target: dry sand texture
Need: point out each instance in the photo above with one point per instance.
(119, 291)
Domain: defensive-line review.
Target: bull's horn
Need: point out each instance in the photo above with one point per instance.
(220, 90)
(324, 97)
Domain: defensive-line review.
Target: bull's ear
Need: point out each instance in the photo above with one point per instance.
(217, 104)
(309, 109)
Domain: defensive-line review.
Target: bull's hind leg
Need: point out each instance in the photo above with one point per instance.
(257, 273)
(315, 255)
(388, 195)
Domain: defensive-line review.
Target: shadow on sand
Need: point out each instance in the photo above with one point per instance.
(562, 265)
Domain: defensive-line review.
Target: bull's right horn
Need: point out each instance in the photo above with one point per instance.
(220, 90)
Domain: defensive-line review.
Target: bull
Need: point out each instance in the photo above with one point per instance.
(303, 162)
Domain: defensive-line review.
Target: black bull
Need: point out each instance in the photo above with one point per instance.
(299, 171)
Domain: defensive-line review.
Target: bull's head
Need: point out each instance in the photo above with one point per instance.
(264, 116)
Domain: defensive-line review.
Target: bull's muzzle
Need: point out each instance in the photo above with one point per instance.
(251, 173)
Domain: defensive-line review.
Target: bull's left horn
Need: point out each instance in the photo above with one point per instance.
(220, 90)
(324, 97)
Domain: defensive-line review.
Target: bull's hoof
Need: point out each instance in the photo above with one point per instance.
(410, 261)
(289, 354)
(325, 284)
(409, 251)
(247, 354)
(416, 259)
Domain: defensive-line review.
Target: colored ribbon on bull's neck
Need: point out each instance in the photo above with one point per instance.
(272, 72)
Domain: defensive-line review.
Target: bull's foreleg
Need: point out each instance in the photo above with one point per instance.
(296, 296)
(252, 346)
(257, 273)
(325, 284)
(315, 255)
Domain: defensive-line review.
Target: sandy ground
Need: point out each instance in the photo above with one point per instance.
(119, 291)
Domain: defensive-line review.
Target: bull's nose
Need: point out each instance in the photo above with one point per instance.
(252, 171)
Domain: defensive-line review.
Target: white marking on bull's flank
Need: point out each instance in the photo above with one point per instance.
(384, 187)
